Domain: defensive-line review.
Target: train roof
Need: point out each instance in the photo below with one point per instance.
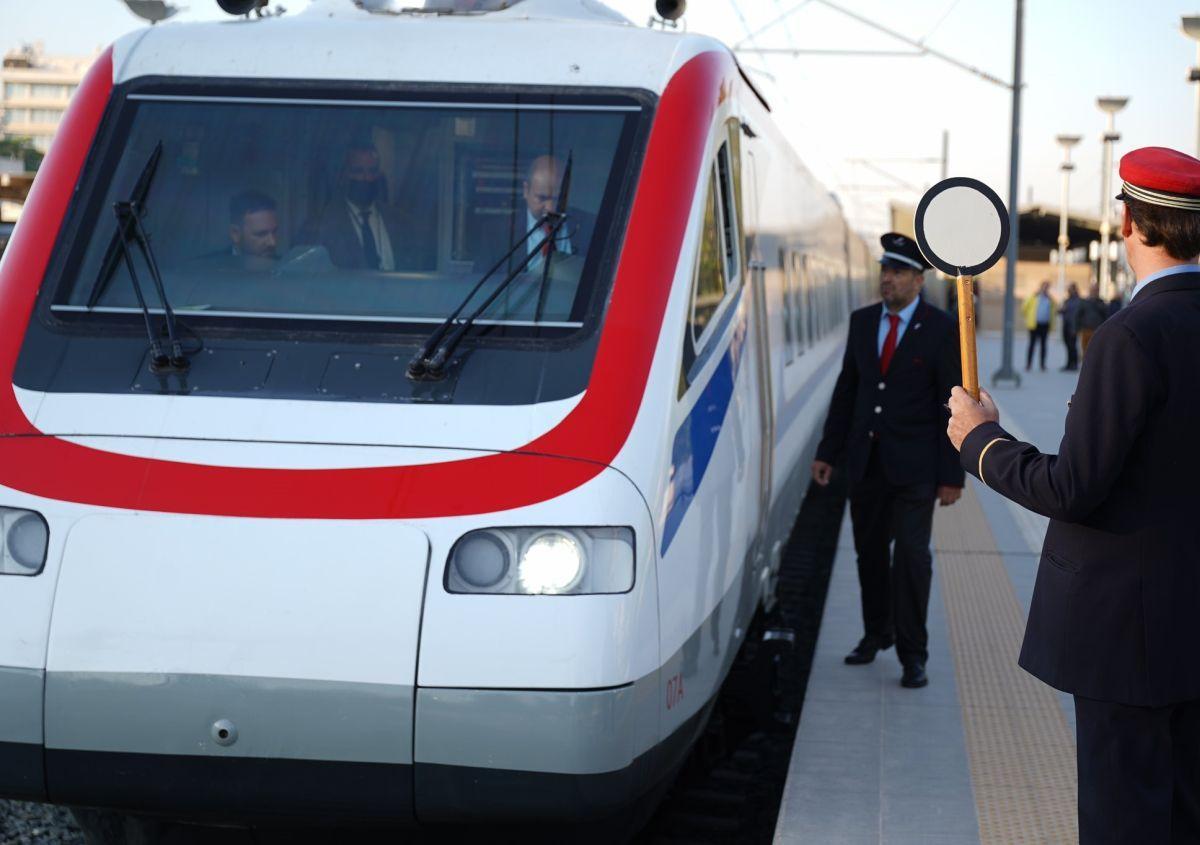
(536, 42)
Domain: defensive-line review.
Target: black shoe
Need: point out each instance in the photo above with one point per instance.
(914, 676)
(865, 651)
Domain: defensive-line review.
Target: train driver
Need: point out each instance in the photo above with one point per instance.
(253, 235)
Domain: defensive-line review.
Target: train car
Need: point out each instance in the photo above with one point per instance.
(403, 413)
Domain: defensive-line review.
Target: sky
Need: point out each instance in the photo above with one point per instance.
(859, 121)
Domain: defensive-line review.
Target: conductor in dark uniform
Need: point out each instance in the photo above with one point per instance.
(1115, 615)
(886, 428)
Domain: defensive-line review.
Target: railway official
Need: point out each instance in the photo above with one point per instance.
(1115, 606)
(885, 427)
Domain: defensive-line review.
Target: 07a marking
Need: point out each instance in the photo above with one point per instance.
(674, 691)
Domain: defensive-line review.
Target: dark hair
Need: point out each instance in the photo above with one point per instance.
(248, 202)
(1175, 230)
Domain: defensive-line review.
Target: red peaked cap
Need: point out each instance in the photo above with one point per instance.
(1161, 176)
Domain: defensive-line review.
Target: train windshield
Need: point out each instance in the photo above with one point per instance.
(384, 212)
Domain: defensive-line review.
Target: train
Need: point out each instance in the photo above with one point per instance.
(405, 413)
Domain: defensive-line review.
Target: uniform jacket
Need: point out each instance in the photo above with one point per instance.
(901, 412)
(1116, 606)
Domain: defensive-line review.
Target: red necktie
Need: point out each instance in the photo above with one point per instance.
(548, 239)
(889, 344)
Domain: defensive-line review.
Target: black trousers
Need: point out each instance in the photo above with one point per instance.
(1139, 773)
(892, 526)
(1036, 336)
(1069, 341)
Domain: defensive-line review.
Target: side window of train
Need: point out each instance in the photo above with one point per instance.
(801, 308)
(718, 265)
(709, 287)
(789, 293)
(730, 234)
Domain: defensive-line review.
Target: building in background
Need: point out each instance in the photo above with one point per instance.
(34, 90)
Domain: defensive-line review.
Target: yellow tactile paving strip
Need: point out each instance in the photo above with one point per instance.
(1020, 747)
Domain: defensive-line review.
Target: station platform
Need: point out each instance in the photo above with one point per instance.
(985, 753)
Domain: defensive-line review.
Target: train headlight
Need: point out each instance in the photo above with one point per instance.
(551, 563)
(482, 559)
(25, 538)
(548, 561)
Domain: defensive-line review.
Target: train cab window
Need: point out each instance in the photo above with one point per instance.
(709, 287)
(366, 212)
(718, 263)
(729, 233)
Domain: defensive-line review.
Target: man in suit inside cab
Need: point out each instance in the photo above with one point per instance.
(886, 429)
(1113, 619)
(360, 229)
(540, 190)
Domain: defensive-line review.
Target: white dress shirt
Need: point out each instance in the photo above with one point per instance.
(562, 243)
(383, 244)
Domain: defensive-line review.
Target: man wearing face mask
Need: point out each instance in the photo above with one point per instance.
(885, 429)
(358, 228)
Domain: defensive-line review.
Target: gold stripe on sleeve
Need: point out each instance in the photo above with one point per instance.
(984, 452)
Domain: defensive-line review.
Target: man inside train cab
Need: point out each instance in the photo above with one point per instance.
(1113, 619)
(359, 227)
(886, 430)
(541, 190)
(253, 235)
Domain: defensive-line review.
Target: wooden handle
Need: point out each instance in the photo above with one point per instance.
(966, 335)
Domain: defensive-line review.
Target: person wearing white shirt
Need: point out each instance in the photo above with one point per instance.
(543, 183)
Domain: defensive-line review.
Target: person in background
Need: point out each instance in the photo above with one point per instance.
(1115, 304)
(883, 427)
(1112, 620)
(1090, 314)
(1069, 310)
(1039, 319)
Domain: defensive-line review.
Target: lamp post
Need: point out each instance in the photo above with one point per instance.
(1064, 242)
(1110, 106)
(1006, 374)
(1190, 24)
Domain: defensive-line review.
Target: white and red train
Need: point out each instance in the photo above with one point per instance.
(273, 571)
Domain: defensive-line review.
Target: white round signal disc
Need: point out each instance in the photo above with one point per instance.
(962, 226)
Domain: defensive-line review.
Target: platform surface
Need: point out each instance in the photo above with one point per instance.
(985, 753)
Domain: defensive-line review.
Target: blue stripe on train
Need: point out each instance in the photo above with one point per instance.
(696, 438)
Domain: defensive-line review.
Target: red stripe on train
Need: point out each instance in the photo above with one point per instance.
(591, 435)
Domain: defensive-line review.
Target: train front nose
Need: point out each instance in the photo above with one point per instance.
(241, 668)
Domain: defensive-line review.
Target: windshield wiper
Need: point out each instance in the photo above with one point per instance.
(129, 214)
(430, 361)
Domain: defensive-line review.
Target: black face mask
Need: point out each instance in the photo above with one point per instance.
(362, 193)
